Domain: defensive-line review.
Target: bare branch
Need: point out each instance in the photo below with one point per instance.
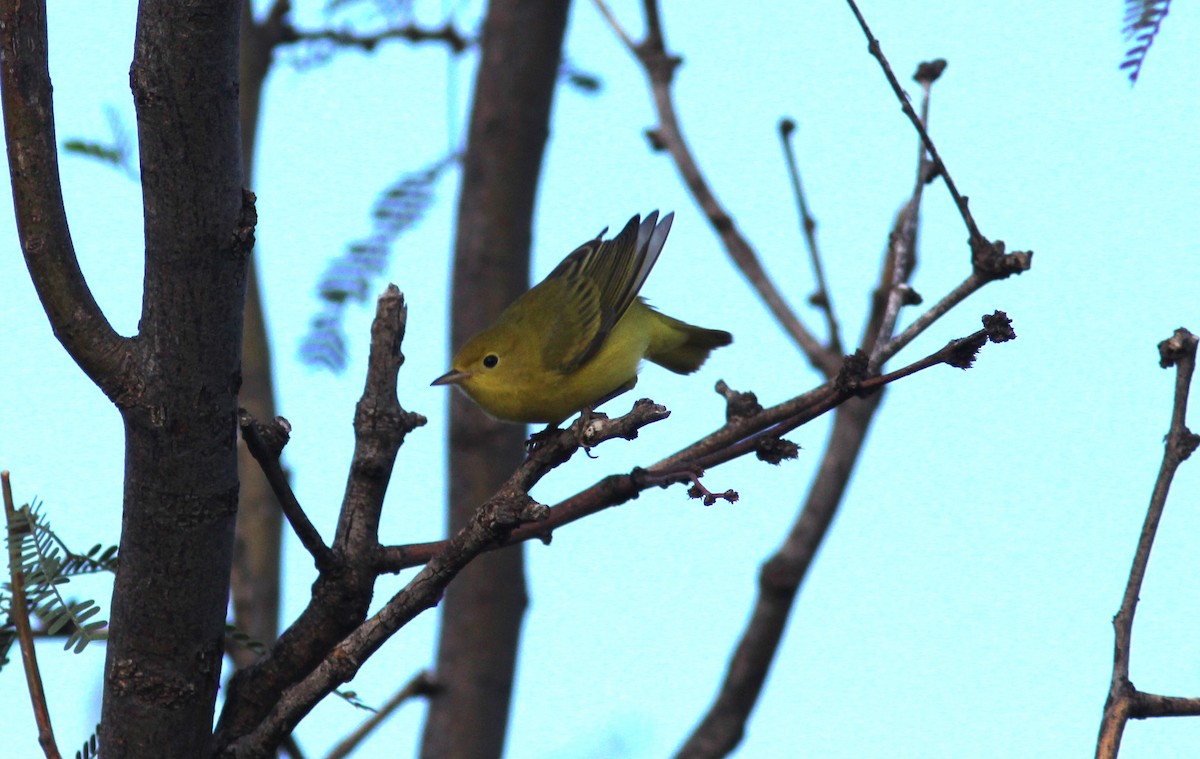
(660, 69)
(19, 611)
(1012, 263)
(490, 526)
(380, 425)
(853, 381)
(28, 106)
(722, 727)
(446, 34)
(265, 444)
(900, 259)
(939, 166)
(740, 436)
(926, 74)
(822, 298)
(342, 594)
(1124, 701)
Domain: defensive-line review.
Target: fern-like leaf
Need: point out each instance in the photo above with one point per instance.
(48, 565)
(325, 344)
(350, 697)
(8, 636)
(119, 152)
(236, 637)
(1143, 18)
(91, 747)
(350, 276)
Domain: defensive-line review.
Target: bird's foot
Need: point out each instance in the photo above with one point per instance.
(539, 439)
(583, 429)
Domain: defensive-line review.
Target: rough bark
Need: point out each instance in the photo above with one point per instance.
(181, 484)
(483, 608)
(175, 383)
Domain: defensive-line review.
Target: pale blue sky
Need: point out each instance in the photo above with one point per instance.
(961, 606)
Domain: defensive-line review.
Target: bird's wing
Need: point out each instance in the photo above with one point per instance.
(572, 333)
(604, 275)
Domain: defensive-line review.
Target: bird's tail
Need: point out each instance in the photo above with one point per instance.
(682, 347)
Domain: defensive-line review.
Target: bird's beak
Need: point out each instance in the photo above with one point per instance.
(452, 377)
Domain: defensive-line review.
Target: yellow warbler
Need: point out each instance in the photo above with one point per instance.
(576, 339)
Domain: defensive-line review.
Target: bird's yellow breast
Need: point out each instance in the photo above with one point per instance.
(532, 393)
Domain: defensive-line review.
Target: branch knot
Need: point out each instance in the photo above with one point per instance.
(991, 262)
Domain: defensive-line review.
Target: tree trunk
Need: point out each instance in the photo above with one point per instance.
(483, 609)
(257, 555)
(179, 412)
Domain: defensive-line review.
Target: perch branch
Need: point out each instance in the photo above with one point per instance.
(959, 353)
(739, 436)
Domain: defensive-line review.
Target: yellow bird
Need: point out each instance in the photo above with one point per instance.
(576, 339)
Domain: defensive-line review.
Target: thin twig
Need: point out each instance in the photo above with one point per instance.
(958, 353)
(1124, 700)
(660, 70)
(939, 166)
(822, 298)
(927, 73)
(265, 445)
(420, 685)
(951, 299)
(19, 612)
(446, 34)
(900, 259)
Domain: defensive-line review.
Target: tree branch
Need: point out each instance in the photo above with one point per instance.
(723, 726)
(380, 426)
(1011, 263)
(660, 69)
(491, 525)
(28, 106)
(894, 291)
(265, 444)
(739, 437)
(19, 612)
(446, 34)
(821, 298)
(342, 593)
(939, 167)
(1124, 701)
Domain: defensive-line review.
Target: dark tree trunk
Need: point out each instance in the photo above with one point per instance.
(484, 607)
(181, 484)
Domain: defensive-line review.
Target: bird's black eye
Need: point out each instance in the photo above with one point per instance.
(490, 360)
